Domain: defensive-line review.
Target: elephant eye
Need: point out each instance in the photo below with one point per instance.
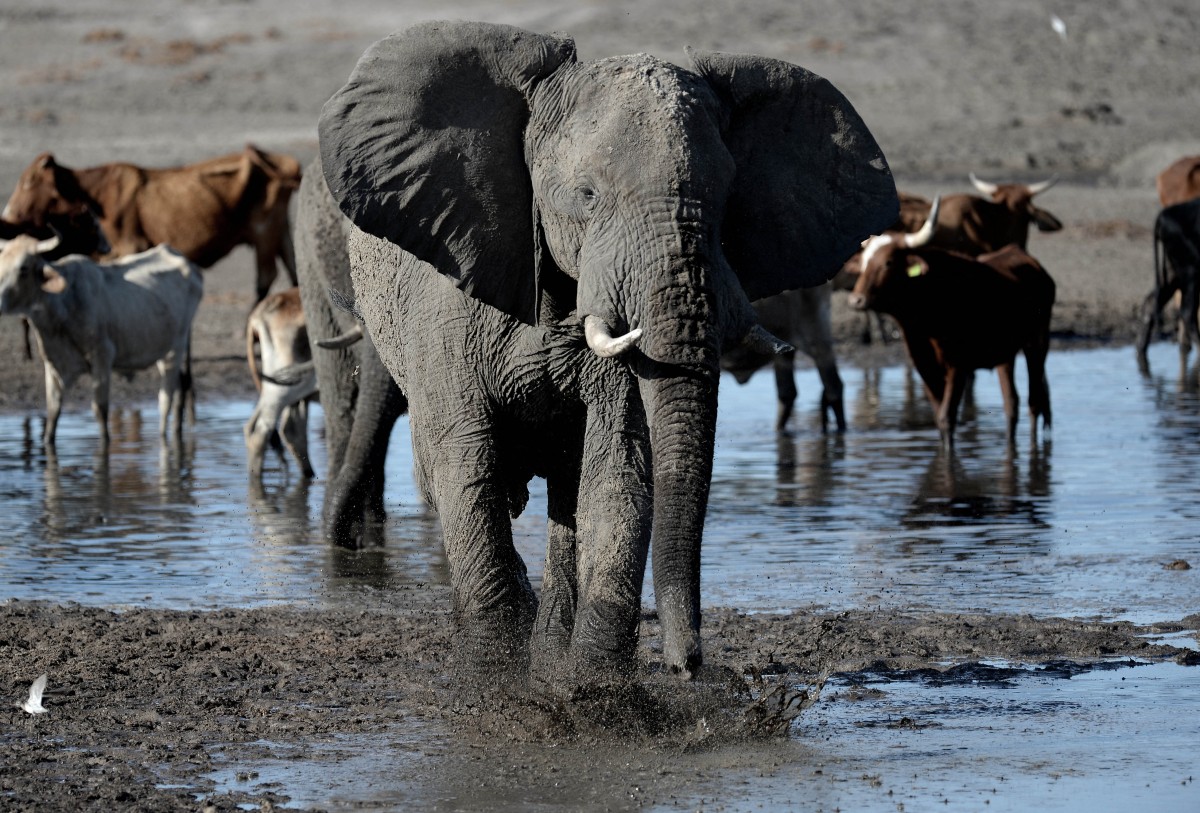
(587, 197)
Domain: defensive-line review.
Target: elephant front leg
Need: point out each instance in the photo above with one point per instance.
(494, 605)
(614, 519)
(551, 642)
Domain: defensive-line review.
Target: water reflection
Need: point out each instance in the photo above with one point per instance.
(879, 514)
(955, 490)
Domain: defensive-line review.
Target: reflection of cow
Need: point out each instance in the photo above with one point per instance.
(802, 318)
(1176, 269)
(959, 314)
(201, 210)
(276, 325)
(1179, 182)
(99, 317)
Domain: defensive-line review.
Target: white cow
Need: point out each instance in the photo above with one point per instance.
(277, 326)
(95, 318)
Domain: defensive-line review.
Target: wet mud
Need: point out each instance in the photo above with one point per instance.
(146, 706)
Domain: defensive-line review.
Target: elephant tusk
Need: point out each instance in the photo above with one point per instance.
(761, 341)
(601, 340)
(346, 339)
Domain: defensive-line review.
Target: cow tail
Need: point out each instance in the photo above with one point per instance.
(1160, 259)
(28, 345)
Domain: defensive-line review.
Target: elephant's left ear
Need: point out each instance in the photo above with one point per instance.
(811, 181)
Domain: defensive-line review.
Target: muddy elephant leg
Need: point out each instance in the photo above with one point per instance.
(614, 519)
(551, 640)
(493, 603)
(354, 508)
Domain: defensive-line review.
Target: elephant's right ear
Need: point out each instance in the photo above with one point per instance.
(424, 147)
(811, 182)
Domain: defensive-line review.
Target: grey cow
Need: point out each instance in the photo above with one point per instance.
(95, 318)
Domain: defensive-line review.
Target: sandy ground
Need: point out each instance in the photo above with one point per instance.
(948, 87)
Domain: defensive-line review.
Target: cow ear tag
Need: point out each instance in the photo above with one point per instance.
(915, 270)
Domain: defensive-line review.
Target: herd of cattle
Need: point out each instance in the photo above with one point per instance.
(104, 264)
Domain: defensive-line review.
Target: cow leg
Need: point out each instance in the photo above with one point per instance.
(294, 422)
(1152, 307)
(259, 430)
(54, 394)
(264, 255)
(170, 396)
(947, 414)
(933, 375)
(1189, 330)
(287, 253)
(100, 390)
(1039, 385)
(1008, 391)
(785, 388)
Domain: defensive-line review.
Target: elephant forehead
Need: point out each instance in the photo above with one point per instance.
(625, 85)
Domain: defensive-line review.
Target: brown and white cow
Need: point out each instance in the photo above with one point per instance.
(1179, 182)
(201, 210)
(968, 223)
(276, 326)
(959, 314)
(95, 318)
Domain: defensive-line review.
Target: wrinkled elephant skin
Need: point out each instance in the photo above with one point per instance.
(360, 399)
(646, 202)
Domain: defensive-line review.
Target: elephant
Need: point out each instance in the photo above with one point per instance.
(802, 318)
(360, 399)
(504, 193)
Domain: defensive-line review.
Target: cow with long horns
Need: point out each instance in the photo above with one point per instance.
(959, 314)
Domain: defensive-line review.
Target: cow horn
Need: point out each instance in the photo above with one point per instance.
(343, 340)
(47, 245)
(983, 186)
(1039, 188)
(925, 233)
(761, 341)
(603, 343)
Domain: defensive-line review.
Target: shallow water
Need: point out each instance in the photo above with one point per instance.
(1081, 523)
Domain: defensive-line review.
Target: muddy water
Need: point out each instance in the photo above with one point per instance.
(1082, 523)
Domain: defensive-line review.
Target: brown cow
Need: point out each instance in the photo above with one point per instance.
(201, 210)
(1179, 182)
(974, 225)
(968, 224)
(959, 314)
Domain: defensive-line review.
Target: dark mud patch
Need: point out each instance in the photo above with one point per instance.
(146, 706)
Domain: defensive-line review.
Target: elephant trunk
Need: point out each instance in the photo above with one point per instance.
(682, 415)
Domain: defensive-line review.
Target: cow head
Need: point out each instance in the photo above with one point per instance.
(47, 189)
(25, 275)
(1018, 199)
(888, 263)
